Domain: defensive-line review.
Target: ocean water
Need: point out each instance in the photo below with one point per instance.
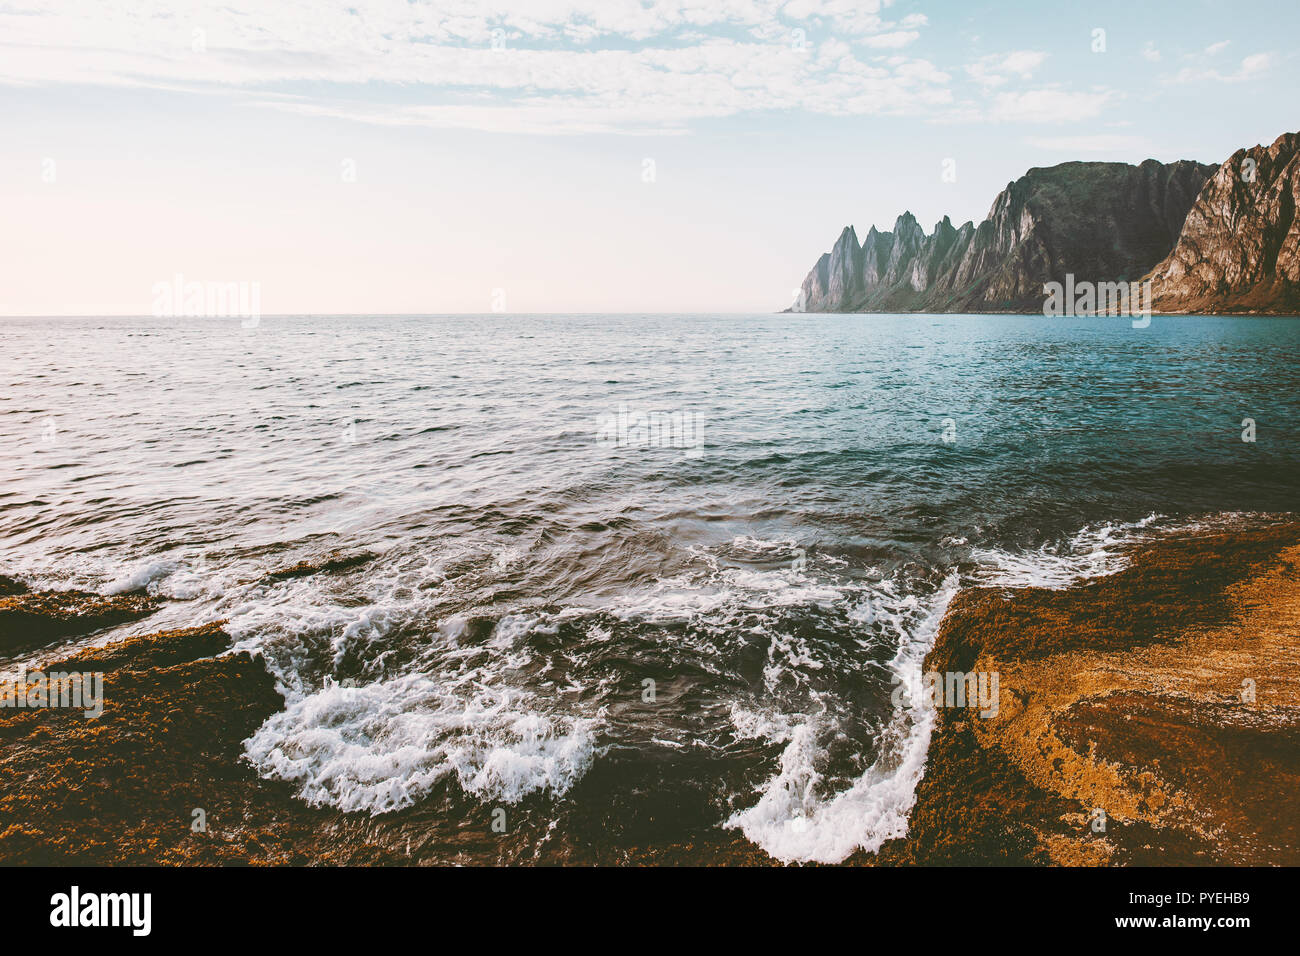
(639, 582)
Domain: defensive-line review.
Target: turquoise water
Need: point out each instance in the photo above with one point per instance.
(773, 554)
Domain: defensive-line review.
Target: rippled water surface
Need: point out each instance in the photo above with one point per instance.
(628, 646)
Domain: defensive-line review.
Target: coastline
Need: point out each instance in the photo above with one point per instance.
(1124, 694)
(1121, 694)
(1222, 313)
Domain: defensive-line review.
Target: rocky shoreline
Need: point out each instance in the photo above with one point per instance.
(1150, 717)
(124, 788)
(30, 619)
(1160, 701)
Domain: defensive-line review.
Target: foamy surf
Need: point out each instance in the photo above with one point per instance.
(386, 745)
(793, 821)
(384, 739)
(470, 711)
(1094, 551)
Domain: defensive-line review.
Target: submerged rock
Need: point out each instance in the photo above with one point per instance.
(33, 618)
(10, 586)
(305, 568)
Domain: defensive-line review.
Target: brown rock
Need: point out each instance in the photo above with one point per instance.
(1239, 250)
(33, 618)
(335, 563)
(1125, 694)
(10, 586)
(122, 788)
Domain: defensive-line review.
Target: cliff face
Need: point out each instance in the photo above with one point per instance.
(1240, 245)
(1104, 222)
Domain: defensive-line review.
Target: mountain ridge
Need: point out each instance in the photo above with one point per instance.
(1101, 222)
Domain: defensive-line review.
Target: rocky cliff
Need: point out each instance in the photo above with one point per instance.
(1239, 250)
(1209, 238)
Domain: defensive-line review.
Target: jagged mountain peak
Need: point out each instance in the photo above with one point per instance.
(1099, 220)
(848, 238)
(906, 222)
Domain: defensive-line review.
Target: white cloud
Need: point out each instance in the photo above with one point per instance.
(996, 76)
(1219, 47)
(1048, 106)
(858, 17)
(833, 50)
(997, 69)
(568, 65)
(1149, 52)
(891, 41)
(1251, 67)
(1255, 63)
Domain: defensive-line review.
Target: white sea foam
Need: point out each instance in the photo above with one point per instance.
(383, 746)
(1097, 550)
(381, 743)
(505, 557)
(747, 542)
(178, 577)
(690, 596)
(1094, 551)
(193, 578)
(141, 577)
(759, 725)
(793, 820)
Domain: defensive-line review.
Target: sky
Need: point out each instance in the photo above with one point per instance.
(386, 156)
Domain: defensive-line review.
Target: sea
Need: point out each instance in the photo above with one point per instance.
(617, 587)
